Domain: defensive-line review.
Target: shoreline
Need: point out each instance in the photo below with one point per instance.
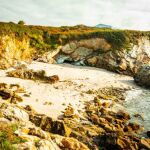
(75, 81)
(86, 106)
(72, 89)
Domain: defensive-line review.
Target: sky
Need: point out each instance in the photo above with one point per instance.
(125, 14)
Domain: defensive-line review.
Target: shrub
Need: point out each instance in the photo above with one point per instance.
(7, 136)
(21, 22)
(48, 38)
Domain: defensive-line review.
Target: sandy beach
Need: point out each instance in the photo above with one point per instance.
(75, 81)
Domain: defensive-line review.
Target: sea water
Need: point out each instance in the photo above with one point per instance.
(137, 104)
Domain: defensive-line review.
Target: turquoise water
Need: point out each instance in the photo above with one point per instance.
(138, 102)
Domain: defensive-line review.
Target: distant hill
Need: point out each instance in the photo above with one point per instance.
(103, 26)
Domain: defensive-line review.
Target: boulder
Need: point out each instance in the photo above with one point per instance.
(62, 58)
(148, 134)
(117, 142)
(4, 86)
(92, 61)
(53, 79)
(80, 53)
(12, 112)
(9, 95)
(47, 57)
(36, 131)
(5, 94)
(69, 112)
(145, 143)
(33, 75)
(132, 127)
(68, 143)
(26, 146)
(142, 77)
(123, 115)
(47, 145)
(58, 127)
(69, 48)
(123, 65)
(73, 144)
(95, 44)
(29, 108)
(48, 124)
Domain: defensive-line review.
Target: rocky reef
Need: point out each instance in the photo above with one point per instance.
(98, 53)
(23, 128)
(25, 73)
(97, 127)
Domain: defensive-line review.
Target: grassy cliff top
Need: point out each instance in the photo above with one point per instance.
(53, 36)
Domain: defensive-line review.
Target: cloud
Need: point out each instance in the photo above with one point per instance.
(131, 14)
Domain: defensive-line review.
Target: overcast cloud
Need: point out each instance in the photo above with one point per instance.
(131, 14)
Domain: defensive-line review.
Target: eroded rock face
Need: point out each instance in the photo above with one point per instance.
(48, 57)
(80, 50)
(96, 127)
(80, 53)
(98, 53)
(47, 145)
(13, 50)
(95, 52)
(92, 61)
(93, 44)
(143, 76)
(25, 73)
(126, 62)
(48, 124)
(73, 144)
(13, 112)
(32, 133)
(69, 48)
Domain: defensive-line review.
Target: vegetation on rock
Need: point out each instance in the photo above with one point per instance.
(7, 136)
(46, 38)
(25, 73)
(116, 50)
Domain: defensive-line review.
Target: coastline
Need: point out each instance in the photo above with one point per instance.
(83, 105)
(74, 82)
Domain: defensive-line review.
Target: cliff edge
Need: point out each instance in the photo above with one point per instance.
(121, 51)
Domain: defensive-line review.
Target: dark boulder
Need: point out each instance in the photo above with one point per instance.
(142, 77)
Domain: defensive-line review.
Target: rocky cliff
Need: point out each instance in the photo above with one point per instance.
(97, 126)
(97, 52)
(13, 50)
(117, 50)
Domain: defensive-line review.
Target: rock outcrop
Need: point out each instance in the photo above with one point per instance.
(142, 77)
(13, 50)
(25, 73)
(115, 50)
(98, 53)
(95, 127)
(31, 136)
